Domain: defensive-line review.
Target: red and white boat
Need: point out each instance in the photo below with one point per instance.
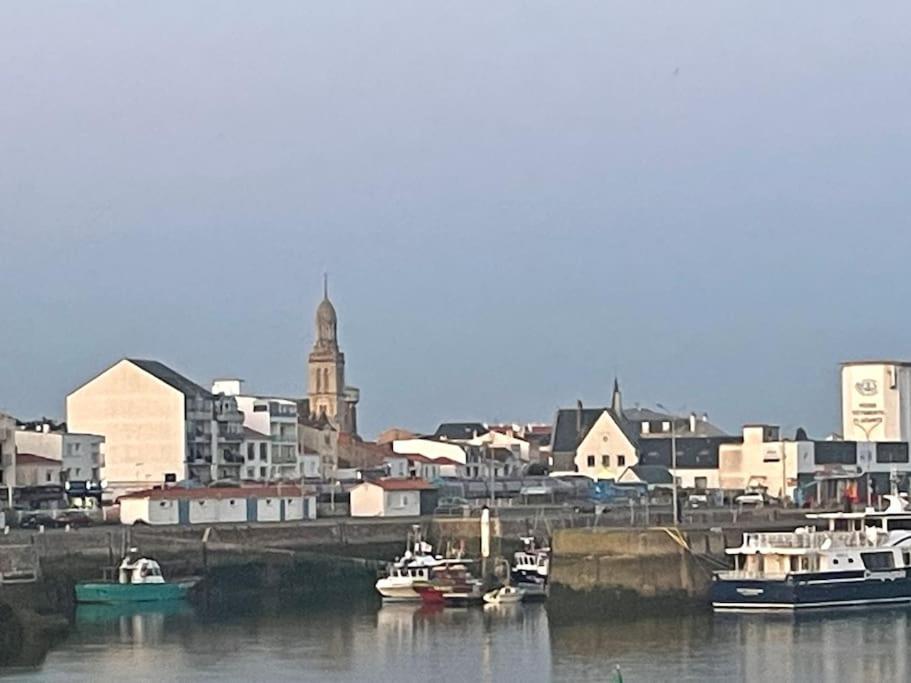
(451, 584)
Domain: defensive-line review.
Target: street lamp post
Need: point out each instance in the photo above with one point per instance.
(673, 461)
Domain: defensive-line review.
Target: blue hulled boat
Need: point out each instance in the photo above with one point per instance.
(856, 559)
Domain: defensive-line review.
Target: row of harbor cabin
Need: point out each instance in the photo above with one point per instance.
(244, 504)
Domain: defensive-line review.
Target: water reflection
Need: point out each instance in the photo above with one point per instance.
(361, 640)
(138, 623)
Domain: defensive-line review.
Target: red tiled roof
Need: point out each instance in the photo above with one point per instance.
(32, 459)
(219, 493)
(402, 484)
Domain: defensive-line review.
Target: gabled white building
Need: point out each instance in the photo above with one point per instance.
(158, 426)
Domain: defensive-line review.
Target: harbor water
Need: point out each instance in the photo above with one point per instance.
(370, 642)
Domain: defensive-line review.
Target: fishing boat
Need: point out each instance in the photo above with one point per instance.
(856, 559)
(451, 584)
(412, 568)
(530, 569)
(139, 579)
(504, 595)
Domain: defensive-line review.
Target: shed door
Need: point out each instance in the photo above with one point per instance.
(252, 506)
(183, 511)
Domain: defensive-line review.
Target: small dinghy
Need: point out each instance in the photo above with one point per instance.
(506, 595)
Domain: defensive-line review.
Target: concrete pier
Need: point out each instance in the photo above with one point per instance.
(610, 570)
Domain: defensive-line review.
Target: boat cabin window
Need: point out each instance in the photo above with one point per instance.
(906, 558)
(843, 525)
(882, 561)
(899, 524)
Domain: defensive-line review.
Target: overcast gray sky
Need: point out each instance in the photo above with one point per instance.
(514, 200)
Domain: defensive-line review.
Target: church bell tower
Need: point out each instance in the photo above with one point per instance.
(329, 396)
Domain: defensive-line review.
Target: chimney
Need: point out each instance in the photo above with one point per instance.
(693, 423)
(578, 417)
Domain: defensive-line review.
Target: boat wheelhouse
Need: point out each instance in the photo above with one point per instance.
(530, 569)
(854, 559)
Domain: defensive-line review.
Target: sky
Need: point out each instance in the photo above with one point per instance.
(515, 201)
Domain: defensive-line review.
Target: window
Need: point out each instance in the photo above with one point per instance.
(892, 452)
(260, 408)
(262, 471)
(899, 524)
(621, 460)
(702, 483)
(878, 561)
(605, 461)
(48, 476)
(262, 451)
(250, 473)
(251, 451)
(231, 502)
(906, 558)
(404, 500)
(591, 461)
(78, 471)
(835, 453)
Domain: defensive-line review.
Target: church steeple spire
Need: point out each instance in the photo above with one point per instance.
(325, 285)
(616, 401)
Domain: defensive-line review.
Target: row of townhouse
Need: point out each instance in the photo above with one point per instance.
(610, 443)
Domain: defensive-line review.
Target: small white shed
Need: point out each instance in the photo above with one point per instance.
(390, 497)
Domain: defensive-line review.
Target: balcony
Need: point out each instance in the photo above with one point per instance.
(232, 458)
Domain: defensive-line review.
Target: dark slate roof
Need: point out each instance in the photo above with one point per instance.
(170, 377)
(254, 435)
(645, 415)
(682, 422)
(567, 435)
(459, 431)
(653, 474)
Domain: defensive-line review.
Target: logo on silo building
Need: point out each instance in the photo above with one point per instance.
(866, 387)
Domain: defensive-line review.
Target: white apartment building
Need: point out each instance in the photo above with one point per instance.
(7, 455)
(762, 459)
(158, 426)
(271, 448)
(80, 455)
(876, 400)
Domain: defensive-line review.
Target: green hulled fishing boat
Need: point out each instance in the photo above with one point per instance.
(139, 579)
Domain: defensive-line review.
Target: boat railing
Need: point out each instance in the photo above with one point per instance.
(811, 540)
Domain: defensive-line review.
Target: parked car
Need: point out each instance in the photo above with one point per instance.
(752, 498)
(452, 506)
(36, 520)
(697, 500)
(74, 518)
